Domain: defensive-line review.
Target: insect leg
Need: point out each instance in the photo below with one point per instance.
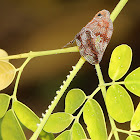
(72, 41)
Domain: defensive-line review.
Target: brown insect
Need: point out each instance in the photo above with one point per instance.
(94, 37)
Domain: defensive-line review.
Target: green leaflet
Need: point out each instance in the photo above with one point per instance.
(120, 62)
(0, 129)
(119, 104)
(29, 119)
(3, 53)
(10, 127)
(78, 132)
(133, 137)
(7, 74)
(132, 82)
(46, 136)
(57, 122)
(4, 103)
(74, 99)
(26, 115)
(94, 119)
(66, 135)
(135, 122)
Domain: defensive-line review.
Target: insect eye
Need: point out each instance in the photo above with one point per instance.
(99, 14)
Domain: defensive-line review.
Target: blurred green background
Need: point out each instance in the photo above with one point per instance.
(50, 24)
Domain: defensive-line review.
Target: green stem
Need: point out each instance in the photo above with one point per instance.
(94, 92)
(103, 89)
(42, 53)
(112, 83)
(57, 98)
(118, 9)
(128, 132)
(114, 14)
(18, 77)
(101, 81)
(110, 136)
(78, 115)
(89, 97)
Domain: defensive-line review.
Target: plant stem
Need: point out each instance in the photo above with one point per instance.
(127, 132)
(94, 92)
(18, 78)
(114, 14)
(78, 115)
(41, 53)
(89, 97)
(113, 83)
(110, 135)
(57, 98)
(103, 89)
(118, 9)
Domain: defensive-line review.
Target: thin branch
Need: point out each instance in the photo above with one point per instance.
(41, 53)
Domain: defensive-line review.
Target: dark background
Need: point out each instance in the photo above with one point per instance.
(50, 24)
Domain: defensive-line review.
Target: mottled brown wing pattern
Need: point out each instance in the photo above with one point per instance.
(94, 37)
(87, 47)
